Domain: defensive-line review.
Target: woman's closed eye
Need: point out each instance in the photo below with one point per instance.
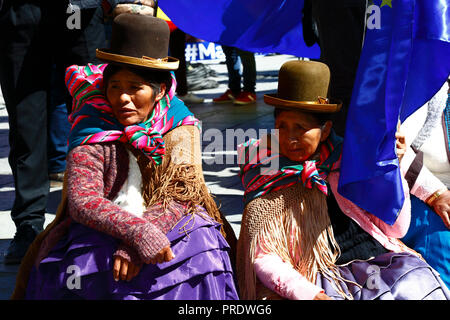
(131, 87)
(114, 86)
(136, 87)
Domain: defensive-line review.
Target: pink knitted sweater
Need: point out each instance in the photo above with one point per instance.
(95, 175)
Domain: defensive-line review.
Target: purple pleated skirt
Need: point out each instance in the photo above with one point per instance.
(80, 267)
(390, 276)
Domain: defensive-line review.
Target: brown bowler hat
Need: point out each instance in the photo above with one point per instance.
(303, 85)
(139, 41)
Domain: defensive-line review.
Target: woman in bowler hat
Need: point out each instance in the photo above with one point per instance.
(136, 220)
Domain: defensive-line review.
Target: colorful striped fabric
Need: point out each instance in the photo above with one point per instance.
(258, 178)
(93, 121)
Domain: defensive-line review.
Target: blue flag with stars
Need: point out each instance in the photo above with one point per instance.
(402, 65)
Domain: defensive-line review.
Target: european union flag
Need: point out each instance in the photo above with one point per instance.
(402, 65)
(264, 26)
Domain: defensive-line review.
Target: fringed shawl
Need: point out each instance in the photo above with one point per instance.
(287, 215)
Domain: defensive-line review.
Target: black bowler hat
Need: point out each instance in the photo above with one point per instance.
(139, 41)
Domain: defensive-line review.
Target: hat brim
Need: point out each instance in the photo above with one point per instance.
(167, 64)
(307, 106)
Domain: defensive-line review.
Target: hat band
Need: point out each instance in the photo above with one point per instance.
(166, 59)
(321, 105)
(145, 61)
(322, 100)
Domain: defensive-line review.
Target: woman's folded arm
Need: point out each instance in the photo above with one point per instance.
(282, 278)
(88, 205)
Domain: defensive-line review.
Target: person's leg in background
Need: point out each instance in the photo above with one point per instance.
(233, 63)
(247, 96)
(77, 46)
(58, 128)
(80, 43)
(341, 27)
(177, 45)
(24, 79)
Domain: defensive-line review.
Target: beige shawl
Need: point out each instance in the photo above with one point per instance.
(294, 224)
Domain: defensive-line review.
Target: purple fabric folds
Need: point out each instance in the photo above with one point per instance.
(390, 276)
(80, 267)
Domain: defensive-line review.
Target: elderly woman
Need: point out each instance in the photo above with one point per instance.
(299, 238)
(136, 220)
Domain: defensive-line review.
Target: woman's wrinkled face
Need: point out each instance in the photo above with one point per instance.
(132, 98)
(299, 134)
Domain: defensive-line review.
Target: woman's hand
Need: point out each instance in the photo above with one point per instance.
(124, 270)
(400, 145)
(322, 296)
(442, 207)
(165, 255)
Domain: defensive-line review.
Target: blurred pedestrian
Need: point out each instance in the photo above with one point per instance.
(58, 126)
(339, 27)
(177, 47)
(235, 58)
